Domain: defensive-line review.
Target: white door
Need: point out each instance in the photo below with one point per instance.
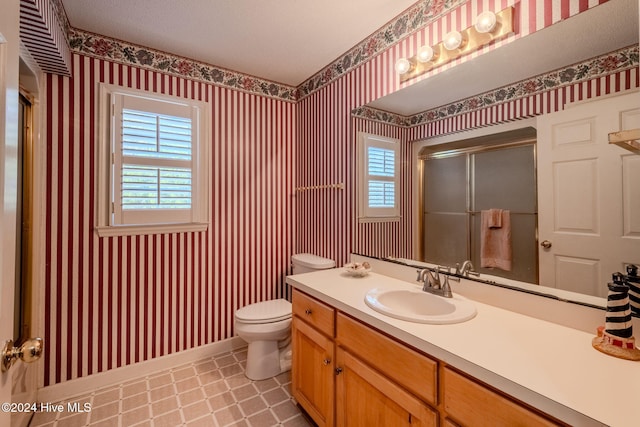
(588, 195)
(8, 143)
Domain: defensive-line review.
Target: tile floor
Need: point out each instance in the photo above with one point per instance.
(211, 392)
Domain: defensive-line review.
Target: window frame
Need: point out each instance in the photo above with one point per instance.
(372, 214)
(197, 218)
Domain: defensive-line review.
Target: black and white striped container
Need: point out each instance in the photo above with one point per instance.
(633, 282)
(618, 319)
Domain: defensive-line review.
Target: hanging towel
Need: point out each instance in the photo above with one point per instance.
(495, 243)
(495, 218)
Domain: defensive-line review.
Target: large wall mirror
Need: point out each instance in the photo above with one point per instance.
(599, 31)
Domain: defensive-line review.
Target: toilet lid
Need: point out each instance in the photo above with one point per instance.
(265, 312)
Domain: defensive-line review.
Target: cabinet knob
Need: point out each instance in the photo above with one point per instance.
(326, 361)
(338, 371)
(545, 244)
(308, 312)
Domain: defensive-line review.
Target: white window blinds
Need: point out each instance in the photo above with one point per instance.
(379, 178)
(146, 138)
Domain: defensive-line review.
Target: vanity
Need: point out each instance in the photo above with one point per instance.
(354, 364)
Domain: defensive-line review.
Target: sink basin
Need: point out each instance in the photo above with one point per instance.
(419, 306)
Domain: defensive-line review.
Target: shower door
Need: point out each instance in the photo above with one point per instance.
(459, 185)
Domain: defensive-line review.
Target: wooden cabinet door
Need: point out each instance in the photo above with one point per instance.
(312, 372)
(366, 398)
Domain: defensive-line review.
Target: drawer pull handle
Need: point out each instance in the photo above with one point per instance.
(308, 312)
(326, 361)
(338, 371)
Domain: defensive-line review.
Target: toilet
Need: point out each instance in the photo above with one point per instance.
(266, 326)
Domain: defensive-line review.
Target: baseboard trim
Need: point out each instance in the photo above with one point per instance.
(79, 386)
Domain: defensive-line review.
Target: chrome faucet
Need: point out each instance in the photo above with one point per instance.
(466, 269)
(431, 282)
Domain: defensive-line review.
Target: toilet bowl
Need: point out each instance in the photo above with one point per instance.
(266, 326)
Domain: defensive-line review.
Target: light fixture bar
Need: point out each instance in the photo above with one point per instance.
(472, 40)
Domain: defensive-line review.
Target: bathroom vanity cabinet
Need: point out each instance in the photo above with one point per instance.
(346, 372)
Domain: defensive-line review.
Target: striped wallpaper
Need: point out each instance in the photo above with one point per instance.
(111, 302)
(43, 34)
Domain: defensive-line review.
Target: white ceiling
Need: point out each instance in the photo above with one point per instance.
(286, 41)
(602, 29)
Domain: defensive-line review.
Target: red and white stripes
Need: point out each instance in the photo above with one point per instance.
(110, 302)
(41, 33)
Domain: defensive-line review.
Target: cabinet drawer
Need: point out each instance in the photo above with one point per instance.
(317, 314)
(408, 368)
(472, 404)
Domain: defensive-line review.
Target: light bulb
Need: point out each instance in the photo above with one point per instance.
(425, 54)
(452, 40)
(403, 66)
(485, 22)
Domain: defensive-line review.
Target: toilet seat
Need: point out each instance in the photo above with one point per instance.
(265, 312)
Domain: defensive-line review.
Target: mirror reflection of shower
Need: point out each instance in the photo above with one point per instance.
(458, 185)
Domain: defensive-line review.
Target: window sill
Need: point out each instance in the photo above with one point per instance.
(364, 220)
(134, 230)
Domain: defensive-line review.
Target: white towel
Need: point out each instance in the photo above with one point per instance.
(495, 243)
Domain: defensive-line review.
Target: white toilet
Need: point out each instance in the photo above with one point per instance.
(266, 326)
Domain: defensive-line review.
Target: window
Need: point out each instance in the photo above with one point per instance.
(378, 178)
(152, 163)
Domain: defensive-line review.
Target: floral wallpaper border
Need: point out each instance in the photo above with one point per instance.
(405, 24)
(620, 60)
(99, 46)
(127, 53)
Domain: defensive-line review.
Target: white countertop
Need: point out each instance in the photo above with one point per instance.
(551, 367)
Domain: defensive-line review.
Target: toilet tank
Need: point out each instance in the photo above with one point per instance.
(305, 263)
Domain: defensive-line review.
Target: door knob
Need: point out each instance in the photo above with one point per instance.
(28, 352)
(545, 244)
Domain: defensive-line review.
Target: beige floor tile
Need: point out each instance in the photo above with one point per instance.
(195, 411)
(109, 422)
(244, 392)
(275, 396)
(103, 398)
(131, 389)
(42, 418)
(104, 412)
(221, 401)
(262, 419)
(228, 415)
(209, 377)
(253, 405)
(206, 421)
(75, 420)
(136, 416)
(160, 380)
(184, 373)
(225, 360)
(191, 396)
(285, 410)
(230, 370)
(165, 405)
(187, 384)
(135, 401)
(171, 419)
(215, 388)
(162, 392)
(213, 392)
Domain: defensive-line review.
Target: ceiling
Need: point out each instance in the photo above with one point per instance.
(285, 41)
(602, 29)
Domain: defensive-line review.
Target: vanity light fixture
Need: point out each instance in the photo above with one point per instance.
(486, 22)
(452, 40)
(425, 54)
(403, 66)
(488, 27)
